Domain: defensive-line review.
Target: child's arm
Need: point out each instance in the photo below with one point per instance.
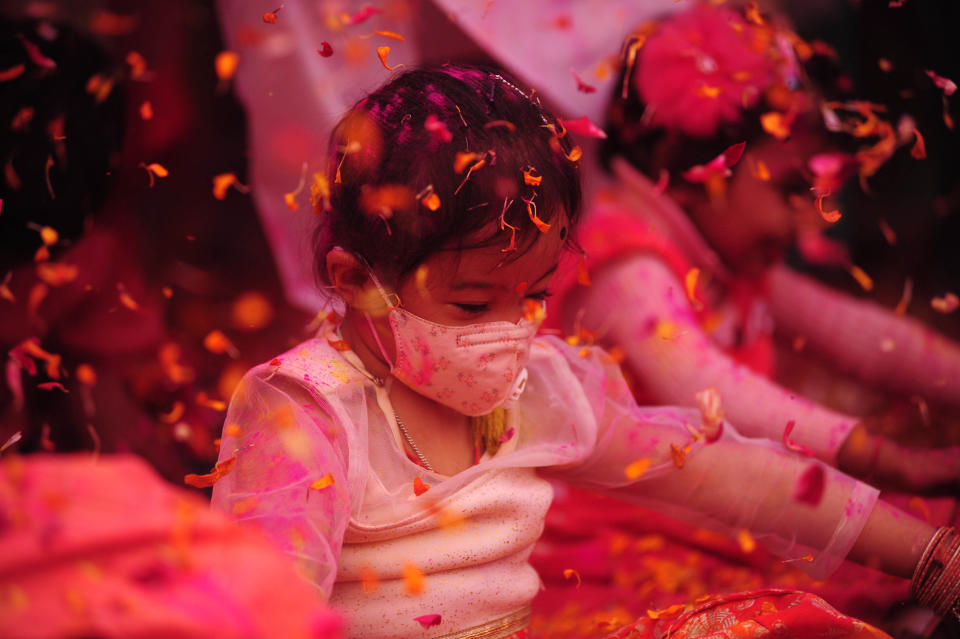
(800, 508)
(674, 359)
(289, 474)
(898, 353)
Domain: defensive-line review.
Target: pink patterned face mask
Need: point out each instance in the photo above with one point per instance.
(472, 369)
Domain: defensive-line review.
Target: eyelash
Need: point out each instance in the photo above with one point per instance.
(480, 308)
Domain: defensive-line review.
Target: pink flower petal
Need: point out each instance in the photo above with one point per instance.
(792, 445)
(810, 485)
(583, 126)
(428, 621)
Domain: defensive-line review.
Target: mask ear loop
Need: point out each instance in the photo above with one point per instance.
(376, 337)
(387, 299)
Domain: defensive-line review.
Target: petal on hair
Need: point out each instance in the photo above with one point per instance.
(462, 160)
(431, 201)
(530, 178)
(325, 50)
(438, 129)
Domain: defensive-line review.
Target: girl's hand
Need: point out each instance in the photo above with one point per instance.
(882, 461)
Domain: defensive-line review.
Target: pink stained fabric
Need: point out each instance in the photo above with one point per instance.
(310, 413)
(103, 547)
(862, 338)
(645, 278)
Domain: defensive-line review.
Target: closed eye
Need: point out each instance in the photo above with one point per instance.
(475, 309)
(540, 296)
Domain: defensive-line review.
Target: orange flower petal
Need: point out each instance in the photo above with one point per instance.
(636, 469)
(530, 178)
(382, 53)
(391, 34)
(413, 581)
(746, 541)
(690, 284)
(226, 64)
(324, 482)
(419, 487)
(864, 280)
(431, 201)
(829, 216)
(205, 481)
(570, 572)
(946, 304)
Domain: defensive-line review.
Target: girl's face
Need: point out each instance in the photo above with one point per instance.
(758, 219)
(480, 285)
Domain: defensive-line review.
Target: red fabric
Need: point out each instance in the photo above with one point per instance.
(777, 613)
(627, 560)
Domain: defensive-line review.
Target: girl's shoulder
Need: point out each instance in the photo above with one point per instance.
(317, 364)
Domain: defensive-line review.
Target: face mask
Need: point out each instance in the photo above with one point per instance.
(472, 369)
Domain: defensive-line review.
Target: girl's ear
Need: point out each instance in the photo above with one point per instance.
(348, 277)
(353, 282)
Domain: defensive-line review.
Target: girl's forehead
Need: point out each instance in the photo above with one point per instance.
(492, 266)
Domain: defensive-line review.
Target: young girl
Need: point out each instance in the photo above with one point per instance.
(703, 81)
(401, 455)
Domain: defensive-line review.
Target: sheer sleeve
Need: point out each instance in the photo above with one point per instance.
(867, 340)
(649, 455)
(289, 476)
(674, 359)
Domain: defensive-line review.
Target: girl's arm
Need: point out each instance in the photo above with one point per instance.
(673, 358)
(802, 509)
(898, 353)
(286, 464)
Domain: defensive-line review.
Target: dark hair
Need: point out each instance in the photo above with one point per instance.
(66, 110)
(399, 145)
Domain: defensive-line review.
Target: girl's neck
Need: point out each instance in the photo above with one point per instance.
(442, 433)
